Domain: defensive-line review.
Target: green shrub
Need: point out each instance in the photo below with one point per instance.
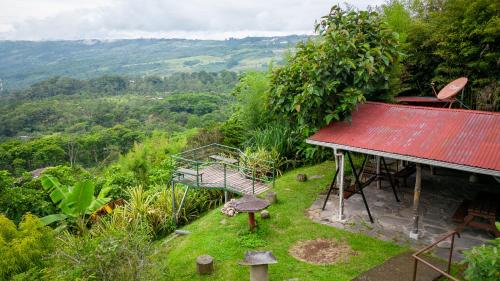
(23, 248)
(252, 93)
(15, 201)
(483, 262)
(278, 137)
(261, 162)
(112, 250)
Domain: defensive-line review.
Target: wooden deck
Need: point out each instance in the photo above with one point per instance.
(213, 177)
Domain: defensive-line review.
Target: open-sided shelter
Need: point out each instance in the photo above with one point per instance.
(465, 140)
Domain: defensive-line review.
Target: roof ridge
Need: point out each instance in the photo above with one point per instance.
(435, 108)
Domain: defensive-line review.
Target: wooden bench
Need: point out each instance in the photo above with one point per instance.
(484, 207)
(194, 173)
(226, 160)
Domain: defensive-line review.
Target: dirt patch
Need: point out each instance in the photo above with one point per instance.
(321, 251)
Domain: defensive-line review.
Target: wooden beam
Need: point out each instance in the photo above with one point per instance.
(416, 202)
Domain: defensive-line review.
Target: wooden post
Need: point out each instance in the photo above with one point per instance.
(379, 180)
(173, 203)
(416, 200)
(251, 221)
(205, 264)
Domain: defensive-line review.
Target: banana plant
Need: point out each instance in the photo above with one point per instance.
(74, 202)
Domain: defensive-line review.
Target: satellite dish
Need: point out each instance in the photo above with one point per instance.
(452, 89)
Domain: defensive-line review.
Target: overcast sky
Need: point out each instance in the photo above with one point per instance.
(201, 19)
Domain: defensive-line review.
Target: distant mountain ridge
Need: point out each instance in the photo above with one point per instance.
(23, 63)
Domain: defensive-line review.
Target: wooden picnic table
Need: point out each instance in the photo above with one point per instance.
(484, 207)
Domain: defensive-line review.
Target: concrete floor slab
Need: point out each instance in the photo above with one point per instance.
(440, 197)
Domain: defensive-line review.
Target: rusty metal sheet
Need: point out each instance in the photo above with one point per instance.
(463, 137)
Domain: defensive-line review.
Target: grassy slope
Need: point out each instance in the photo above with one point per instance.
(228, 241)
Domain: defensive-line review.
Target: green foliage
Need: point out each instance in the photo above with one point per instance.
(483, 262)
(74, 202)
(147, 164)
(251, 93)
(23, 248)
(233, 131)
(110, 251)
(205, 137)
(279, 138)
(260, 162)
(398, 18)
(447, 39)
(327, 77)
(15, 201)
(5, 180)
(253, 239)
(118, 246)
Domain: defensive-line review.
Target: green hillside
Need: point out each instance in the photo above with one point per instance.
(23, 63)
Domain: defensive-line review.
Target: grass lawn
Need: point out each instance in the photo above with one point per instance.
(227, 239)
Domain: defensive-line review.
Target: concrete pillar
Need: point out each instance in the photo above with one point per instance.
(414, 234)
(259, 272)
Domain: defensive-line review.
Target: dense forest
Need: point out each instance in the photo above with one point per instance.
(110, 138)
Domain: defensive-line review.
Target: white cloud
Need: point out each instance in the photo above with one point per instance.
(209, 19)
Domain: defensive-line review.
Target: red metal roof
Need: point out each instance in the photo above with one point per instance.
(459, 137)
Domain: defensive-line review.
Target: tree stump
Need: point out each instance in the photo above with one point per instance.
(271, 197)
(205, 264)
(301, 177)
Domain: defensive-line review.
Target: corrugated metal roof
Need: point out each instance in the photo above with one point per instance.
(437, 136)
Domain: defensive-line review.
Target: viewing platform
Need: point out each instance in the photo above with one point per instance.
(217, 166)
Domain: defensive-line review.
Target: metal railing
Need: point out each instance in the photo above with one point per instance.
(246, 166)
(433, 267)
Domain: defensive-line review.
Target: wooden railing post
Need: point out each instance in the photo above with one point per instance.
(197, 175)
(253, 181)
(225, 176)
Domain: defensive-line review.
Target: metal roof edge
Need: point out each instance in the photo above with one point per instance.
(437, 163)
(432, 108)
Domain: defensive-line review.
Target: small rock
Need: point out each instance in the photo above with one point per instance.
(271, 197)
(265, 214)
(229, 208)
(301, 177)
